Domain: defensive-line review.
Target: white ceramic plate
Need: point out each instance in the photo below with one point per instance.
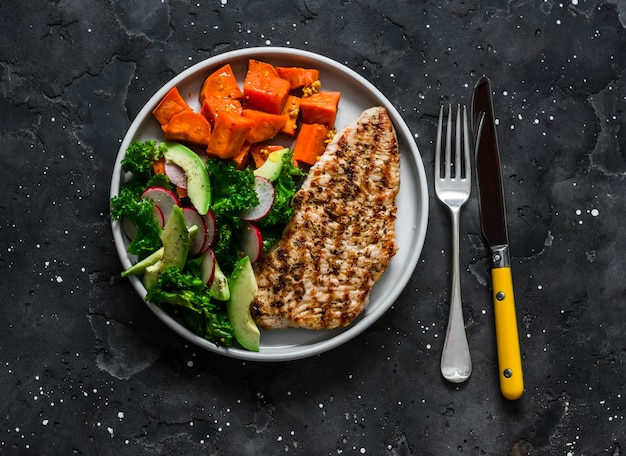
(357, 94)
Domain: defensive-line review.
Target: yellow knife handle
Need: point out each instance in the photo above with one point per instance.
(507, 338)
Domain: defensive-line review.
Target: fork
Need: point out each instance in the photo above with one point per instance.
(453, 185)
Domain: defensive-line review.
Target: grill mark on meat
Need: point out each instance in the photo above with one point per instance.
(341, 237)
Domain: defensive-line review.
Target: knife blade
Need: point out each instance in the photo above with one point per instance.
(494, 228)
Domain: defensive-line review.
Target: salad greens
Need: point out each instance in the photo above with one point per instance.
(183, 293)
(128, 204)
(285, 187)
(233, 192)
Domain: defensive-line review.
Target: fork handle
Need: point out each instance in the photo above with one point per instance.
(456, 362)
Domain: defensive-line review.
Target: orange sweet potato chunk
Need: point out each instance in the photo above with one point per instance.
(243, 157)
(291, 110)
(264, 125)
(298, 76)
(189, 127)
(213, 106)
(171, 104)
(320, 108)
(260, 152)
(263, 89)
(220, 84)
(228, 135)
(311, 143)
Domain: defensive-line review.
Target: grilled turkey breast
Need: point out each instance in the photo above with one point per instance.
(341, 237)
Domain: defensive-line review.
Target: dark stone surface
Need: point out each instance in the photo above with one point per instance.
(86, 368)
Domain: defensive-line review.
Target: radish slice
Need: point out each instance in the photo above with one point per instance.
(252, 241)
(192, 217)
(210, 228)
(207, 267)
(130, 230)
(265, 192)
(164, 199)
(176, 175)
(158, 215)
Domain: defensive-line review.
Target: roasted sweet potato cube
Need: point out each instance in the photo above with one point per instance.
(220, 84)
(320, 108)
(311, 143)
(243, 157)
(298, 76)
(171, 104)
(260, 152)
(228, 135)
(264, 125)
(263, 89)
(291, 110)
(189, 127)
(213, 106)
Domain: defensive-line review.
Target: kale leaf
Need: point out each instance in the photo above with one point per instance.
(140, 211)
(187, 297)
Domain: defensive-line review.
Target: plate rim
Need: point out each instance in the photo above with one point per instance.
(294, 352)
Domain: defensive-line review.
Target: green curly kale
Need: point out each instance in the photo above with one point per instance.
(285, 188)
(233, 192)
(233, 189)
(129, 204)
(186, 295)
(139, 158)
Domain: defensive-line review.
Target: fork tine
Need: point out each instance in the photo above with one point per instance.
(438, 145)
(457, 154)
(447, 164)
(468, 172)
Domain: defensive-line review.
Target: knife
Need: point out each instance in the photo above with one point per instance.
(494, 228)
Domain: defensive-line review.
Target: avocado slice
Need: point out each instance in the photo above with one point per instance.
(140, 266)
(243, 286)
(198, 181)
(219, 288)
(176, 241)
(273, 166)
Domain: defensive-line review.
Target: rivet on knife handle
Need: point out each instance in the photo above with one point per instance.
(507, 338)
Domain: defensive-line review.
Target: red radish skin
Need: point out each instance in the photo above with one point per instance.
(210, 230)
(192, 217)
(176, 175)
(266, 194)
(252, 241)
(163, 198)
(158, 214)
(207, 267)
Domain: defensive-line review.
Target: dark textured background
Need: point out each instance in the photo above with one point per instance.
(86, 368)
